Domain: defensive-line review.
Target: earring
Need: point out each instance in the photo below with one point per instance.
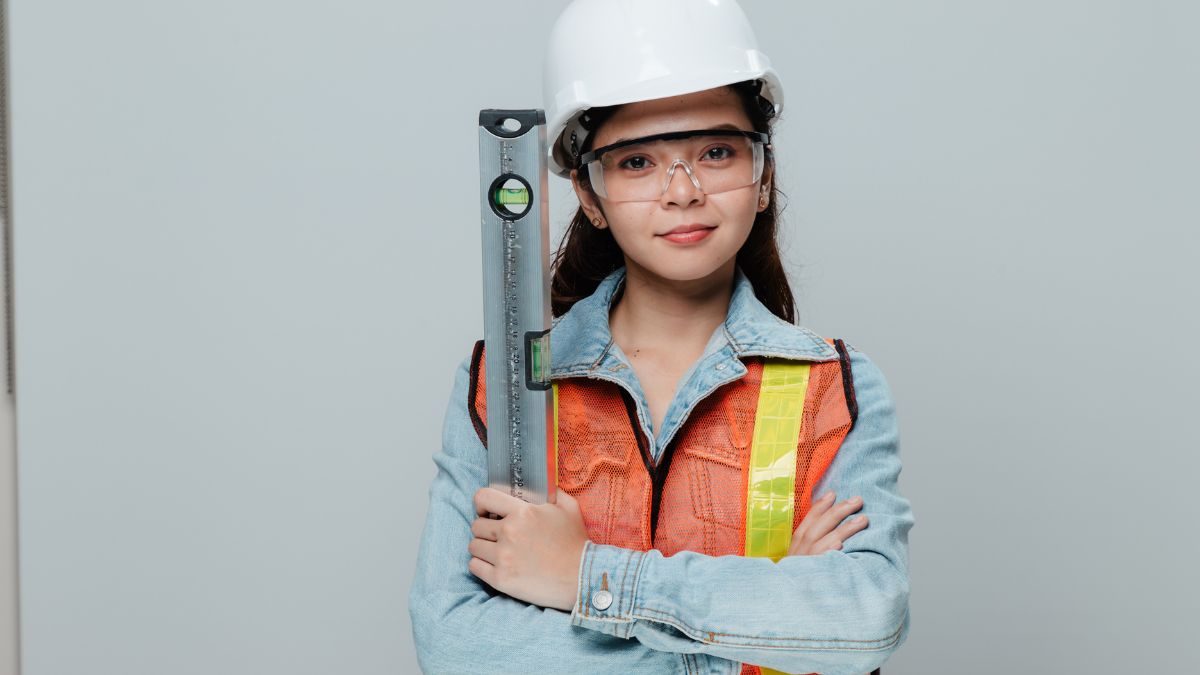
(596, 221)
(762, 201)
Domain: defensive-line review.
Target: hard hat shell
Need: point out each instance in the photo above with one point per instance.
(609, 52)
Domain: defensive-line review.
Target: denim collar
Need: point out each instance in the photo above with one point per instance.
(580, 339)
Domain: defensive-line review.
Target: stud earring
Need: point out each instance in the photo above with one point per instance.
(596, 221)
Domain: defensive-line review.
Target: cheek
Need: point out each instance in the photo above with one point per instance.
(738, 208)
(632, 218)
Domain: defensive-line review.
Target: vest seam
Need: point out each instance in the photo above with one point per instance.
(473, 393)
(656, 487)
(658, 484)
(657, 470)
(631, 413)
(847, 381)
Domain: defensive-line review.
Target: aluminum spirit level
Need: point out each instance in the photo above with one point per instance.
(516, 303)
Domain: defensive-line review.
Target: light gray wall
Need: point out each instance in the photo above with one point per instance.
(247, 263)
(9, 591)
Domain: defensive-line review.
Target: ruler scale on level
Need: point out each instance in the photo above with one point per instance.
(516, 303)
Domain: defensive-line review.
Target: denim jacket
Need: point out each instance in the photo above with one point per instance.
(839, 613)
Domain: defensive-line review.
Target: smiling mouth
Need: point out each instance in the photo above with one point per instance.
(684, 229)
(688, 236)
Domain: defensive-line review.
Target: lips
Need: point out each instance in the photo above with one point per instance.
(688, 234)
(690, 227)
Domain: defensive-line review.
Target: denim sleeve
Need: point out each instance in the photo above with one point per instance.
(839, 613)
(461, 626)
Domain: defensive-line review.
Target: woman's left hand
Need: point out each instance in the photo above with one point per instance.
(532, 552)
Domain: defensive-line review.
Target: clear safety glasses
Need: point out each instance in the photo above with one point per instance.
(641, 169)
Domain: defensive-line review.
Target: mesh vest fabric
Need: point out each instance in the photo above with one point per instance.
(695, 497)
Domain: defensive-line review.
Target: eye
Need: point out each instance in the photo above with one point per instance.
(635, 163)
(717, 153)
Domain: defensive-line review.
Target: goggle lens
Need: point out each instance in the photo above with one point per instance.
(643, 171)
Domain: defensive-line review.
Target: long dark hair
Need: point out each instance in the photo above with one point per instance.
(586, 255)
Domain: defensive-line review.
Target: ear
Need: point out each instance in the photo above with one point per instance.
(587, 199)
(765, 186)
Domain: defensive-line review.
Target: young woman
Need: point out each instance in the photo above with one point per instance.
(703, 435)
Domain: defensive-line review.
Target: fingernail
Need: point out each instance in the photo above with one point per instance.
(860, 519)
(854, 500)
(826, 496)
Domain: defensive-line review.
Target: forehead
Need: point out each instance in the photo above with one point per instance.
(699, 110)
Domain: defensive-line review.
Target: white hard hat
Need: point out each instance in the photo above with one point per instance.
(608, 52)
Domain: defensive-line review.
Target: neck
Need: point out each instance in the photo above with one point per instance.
(669, 316)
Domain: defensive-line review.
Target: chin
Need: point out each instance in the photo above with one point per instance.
(683, 266)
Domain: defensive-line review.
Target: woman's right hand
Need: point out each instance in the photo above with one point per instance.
(820, 532)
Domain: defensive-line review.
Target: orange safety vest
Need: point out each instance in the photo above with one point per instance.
(737, 477)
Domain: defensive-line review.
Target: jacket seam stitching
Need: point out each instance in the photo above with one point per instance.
(626, 604)
(583, 579)
(737, 346)
(587, 605)
(712, 635)
(634, 585)
(603, 353)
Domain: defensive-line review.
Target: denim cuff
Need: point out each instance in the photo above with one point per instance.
(608, 577)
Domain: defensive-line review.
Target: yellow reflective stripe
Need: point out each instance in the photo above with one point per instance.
(771, 493)
(554, 403)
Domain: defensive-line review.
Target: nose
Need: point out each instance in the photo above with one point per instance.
(685, 191)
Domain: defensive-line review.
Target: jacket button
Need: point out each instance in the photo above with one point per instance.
(601, 600)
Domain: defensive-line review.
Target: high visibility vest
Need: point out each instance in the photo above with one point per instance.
(737, 477)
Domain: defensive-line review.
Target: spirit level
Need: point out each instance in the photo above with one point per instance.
(516, 303)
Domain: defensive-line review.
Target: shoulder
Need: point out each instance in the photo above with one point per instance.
(866, 371)
(868, 393)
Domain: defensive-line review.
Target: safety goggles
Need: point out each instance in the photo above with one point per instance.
(641, 169)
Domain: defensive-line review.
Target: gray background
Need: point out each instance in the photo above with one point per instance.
(247, 263)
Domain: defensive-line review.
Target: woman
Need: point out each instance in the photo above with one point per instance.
(681, 382)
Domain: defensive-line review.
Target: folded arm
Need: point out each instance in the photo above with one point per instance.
(462, 626)
(844, 611)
